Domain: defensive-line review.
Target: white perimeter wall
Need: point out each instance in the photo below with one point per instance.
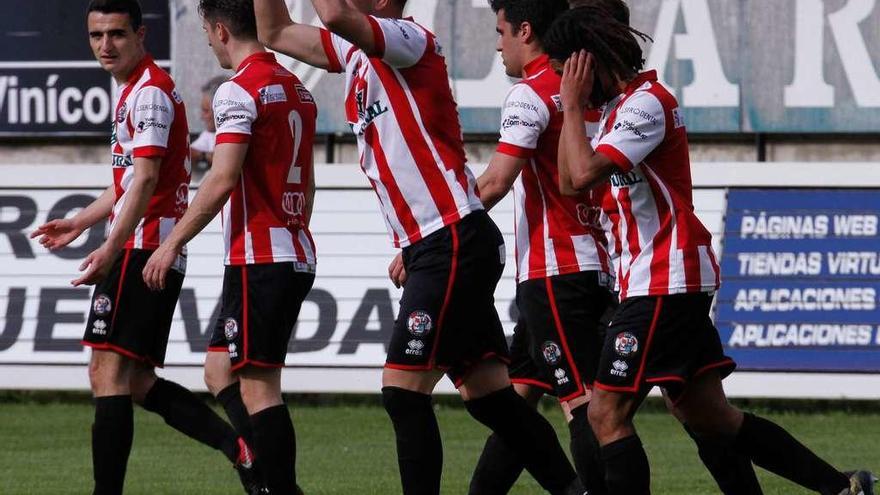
(354, 251)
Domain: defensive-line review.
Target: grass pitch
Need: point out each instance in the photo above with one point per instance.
(349, 449)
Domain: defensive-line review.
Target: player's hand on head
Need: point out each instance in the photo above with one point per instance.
(397, 272)
(577, 80)
(96, 266)
(57, 233)
(156, 269)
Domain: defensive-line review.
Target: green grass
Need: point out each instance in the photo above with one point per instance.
(349, 449)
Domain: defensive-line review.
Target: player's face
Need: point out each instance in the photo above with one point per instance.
(214, 32)
(509, 45)
(116, 46)
(207, 112)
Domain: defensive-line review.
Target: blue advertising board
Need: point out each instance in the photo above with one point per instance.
(800, 280)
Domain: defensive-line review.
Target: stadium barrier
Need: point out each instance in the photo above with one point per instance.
(798, 244)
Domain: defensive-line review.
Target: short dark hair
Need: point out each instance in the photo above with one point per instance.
(237, 15)
(538, 13)
(130, 7)
(590, 28)
(617, 9)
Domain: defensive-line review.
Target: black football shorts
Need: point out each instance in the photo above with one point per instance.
(558, 336)
(661, 340)
(259, 307)
(447, 316)
(127, 317)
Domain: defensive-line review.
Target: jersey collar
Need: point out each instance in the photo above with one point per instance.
(536, 66)
(648, 76)
(254, 57)
(139, 69)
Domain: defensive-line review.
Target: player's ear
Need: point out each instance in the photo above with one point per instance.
(526, 34)
(141, 33)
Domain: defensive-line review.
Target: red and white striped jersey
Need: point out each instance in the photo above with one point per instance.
(400, 107)
(150, 122)
(661, 245)
(265, 220)
(555, 234)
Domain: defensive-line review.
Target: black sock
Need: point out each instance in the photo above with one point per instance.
(774, 449)
(497, 470)
(275, 446)
(626, 467)
(419, 449)
(112, 435)
(230, 399)
(733, 472)
(585, 452)
(528, 434)
(186, 413)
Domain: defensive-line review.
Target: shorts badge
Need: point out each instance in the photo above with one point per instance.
(230, 329)
(626, 344)
(233, 351)
(415, 347)
(419, 323)
(102, 305)
(619, 367)
(552, 353)
(99, 327)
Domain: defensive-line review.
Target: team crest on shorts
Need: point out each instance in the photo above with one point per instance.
(230, 329)
(552, 353)
(626, 344)
(102, 305)
(419, 323)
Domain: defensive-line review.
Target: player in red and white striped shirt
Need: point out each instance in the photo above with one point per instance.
(262, 171)
(400, 107)
(563, 269)
(128, 324)
(661, 333)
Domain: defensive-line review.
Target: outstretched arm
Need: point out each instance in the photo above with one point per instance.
(277, 31)
(346, 21)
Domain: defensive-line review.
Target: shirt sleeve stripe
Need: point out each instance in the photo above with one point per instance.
(149, 152)
(334, 65)
(616, 156)
(232, 137)
(378, 36)
(514, 150)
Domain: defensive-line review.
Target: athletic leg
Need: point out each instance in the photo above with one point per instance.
(113, 429)
(706, 410)
(492, 401)
(406, 396)
(626, 465)
(183, 410)
(498, 467)
(274, 435)
(732, 472)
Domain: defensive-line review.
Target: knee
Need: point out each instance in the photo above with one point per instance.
(141, 381)
(604, 419)
(399, 402)
(215, 379)
(106, 375)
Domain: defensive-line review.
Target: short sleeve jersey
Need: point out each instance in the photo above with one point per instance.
(661, 246)
(400, 107)
(150, 122)
(555, 234)
(265, 219)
